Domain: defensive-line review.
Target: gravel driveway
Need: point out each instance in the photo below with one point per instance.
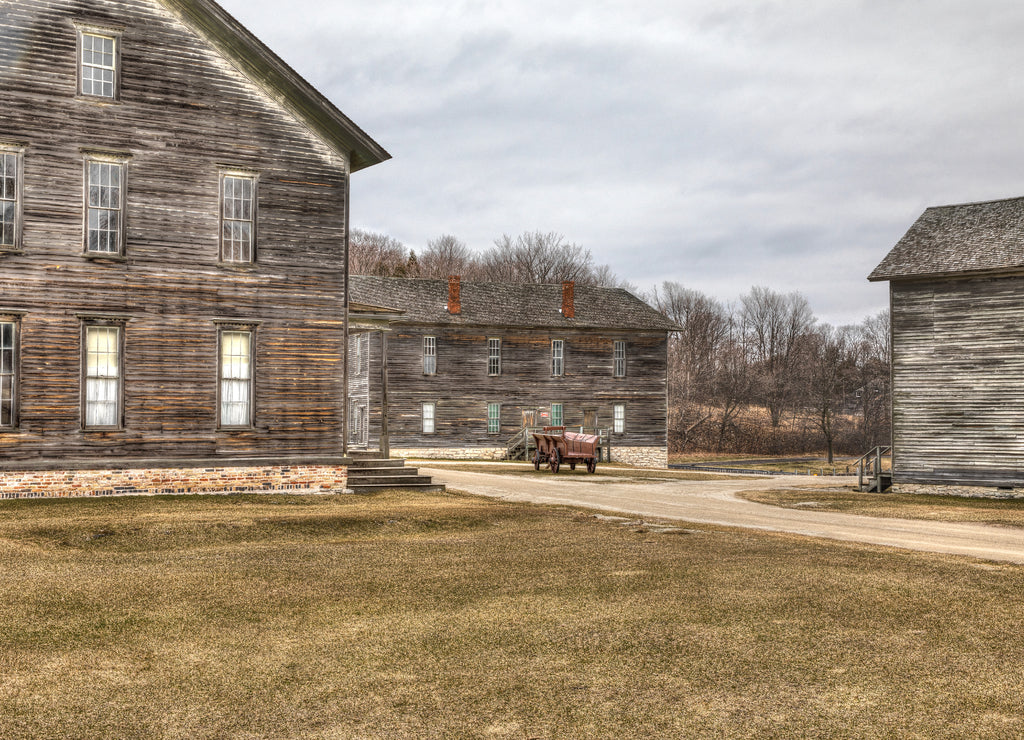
(715, 502)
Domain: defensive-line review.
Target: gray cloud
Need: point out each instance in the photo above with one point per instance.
(720, 144)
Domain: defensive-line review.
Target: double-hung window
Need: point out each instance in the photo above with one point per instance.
(429, 355)
(429, 417)
(10, 199)
(557, 358)
(619, 359)
(494, 357)
(493, 418)
(104, 217)
(99, 55)
(103, 376)
(556, 415)
(236, 378)
(237, 217)
(619, 418)
(8, 373)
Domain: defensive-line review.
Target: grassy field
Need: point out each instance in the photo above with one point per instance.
(446, 616)
(615, 470)
(1007, 512)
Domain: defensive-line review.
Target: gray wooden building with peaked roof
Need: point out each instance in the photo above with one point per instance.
(956, 286)
(173, 224)
(469, 364)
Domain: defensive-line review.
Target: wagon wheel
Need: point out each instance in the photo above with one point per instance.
(572, 465)
(536, 460)
(554, 460)
(591, 464)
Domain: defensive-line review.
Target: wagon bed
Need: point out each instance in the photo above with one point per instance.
(556, 446)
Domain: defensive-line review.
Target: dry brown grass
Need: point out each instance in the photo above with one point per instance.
(444, 616)
(618, 471)
(1007, 512)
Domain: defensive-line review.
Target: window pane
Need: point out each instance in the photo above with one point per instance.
(237, 211)
(104, 216)
(428, 418)
(236, 374)
(98, 65)
(7, 373)
(493, 418)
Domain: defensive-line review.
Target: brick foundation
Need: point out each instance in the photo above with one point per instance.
(303, 478)
(641, 457)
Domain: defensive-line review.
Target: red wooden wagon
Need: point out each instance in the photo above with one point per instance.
(556, 446)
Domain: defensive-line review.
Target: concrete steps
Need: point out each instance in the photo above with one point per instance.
(367, 474)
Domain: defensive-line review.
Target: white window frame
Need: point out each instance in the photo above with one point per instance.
(429, 355)
(105, 198)
(89, 67)
(619, 418)
(9, 372)
(493, 419)
(557, 358)
(428, 416)
(11, 190)
(236, 374)
(101, 378)
(557, 418)
(238, 216)
(493, 356)
(619, 358)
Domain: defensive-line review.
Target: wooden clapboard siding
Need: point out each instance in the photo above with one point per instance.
(184, 113)
(461, 389)
(958, 381)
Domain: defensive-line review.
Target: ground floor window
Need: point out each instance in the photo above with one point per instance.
(493, 418)
(619, 418)
(235, 378)
(8, 372)
(429, 416)
(556, 415)
(102, 397)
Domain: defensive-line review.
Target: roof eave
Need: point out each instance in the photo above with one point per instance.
(261, 65)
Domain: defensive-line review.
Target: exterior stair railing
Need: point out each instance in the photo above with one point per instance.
(870, 476)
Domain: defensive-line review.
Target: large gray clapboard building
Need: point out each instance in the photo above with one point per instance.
(956, 286)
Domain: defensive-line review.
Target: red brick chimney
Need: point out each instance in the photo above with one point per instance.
(454, 301)
(568, 309)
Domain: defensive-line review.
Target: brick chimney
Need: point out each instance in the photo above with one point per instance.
(568, 309)
(454, 301)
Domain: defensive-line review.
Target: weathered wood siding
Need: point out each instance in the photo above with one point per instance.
(184, 113)
(958, 381)
(461, 388)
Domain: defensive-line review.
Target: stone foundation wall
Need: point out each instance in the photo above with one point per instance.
(642, 457)
(153, 481)
(968, 491)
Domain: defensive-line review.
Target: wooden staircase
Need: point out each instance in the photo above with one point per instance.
(870, 476)
(369, 472)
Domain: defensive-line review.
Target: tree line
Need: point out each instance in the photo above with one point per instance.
(530, 257)
(764, 376)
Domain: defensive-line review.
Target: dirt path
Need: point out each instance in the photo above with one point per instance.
(715, 502)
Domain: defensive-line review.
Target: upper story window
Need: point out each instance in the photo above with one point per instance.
(237, 217)
(8, 373)
(10, 199)
(235, 378)
(102, 397)
(99, 56)
(360, 354)
(429, 355)
(494, 357)
(557, 358)
(619, 359)
(104, 217)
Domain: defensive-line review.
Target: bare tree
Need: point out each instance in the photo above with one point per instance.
(831, 362)
(447, 255)
(775, 324)
(874, 392)
(371, 253)
(537, 257)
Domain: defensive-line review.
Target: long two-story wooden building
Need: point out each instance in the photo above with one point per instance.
(173, 230)
(469, 364)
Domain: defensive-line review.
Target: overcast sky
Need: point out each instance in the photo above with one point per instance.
(720, 144)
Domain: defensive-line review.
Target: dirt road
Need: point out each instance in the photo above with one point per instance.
(715, 502)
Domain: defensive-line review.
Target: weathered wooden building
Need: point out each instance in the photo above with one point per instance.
(469, 364)
(956, 286)
(173, 230)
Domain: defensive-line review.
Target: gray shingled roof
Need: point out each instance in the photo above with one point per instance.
(507, 304)
(951, 240)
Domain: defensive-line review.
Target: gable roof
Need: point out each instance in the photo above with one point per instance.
(280, 81)
(425, 301)
(971, 238)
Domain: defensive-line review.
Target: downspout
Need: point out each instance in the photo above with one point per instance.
(344, 327)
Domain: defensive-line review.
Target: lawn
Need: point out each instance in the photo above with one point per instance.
(446, 616)
(1007, 512)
